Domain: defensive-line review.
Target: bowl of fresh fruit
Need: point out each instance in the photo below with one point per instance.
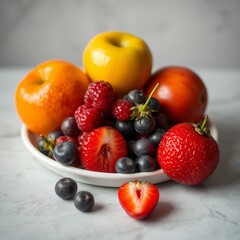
(115, 130)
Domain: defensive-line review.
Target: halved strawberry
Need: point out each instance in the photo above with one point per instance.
(138, 198)
(101, 148)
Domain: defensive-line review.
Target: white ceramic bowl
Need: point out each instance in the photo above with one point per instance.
(90, 177)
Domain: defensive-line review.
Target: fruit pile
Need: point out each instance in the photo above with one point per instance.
(109, 135)
(118, 117)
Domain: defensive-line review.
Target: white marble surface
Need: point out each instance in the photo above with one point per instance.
(29, 208)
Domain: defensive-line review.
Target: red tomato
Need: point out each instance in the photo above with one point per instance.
(181, 93)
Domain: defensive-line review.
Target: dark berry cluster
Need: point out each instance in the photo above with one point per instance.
(137, 117)
(143, 131)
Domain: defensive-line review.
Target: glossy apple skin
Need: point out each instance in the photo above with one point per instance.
(181, 93)
(120, 58)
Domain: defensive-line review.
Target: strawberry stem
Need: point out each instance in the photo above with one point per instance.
(149, 97)
(203, 125)
(143, 110)
(202, 128)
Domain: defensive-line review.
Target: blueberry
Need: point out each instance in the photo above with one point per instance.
(144, 125)
(126, 128)
(154, 105)
(136, 97)
(157, 136)
(46, 144)
(143, 147)
(69, 127)
(43, 148)
(66, 188)
(52, 136)
(84, 201)
(130, 144)
(145, 163)
(125, 165)
(161, 121)
(157, 166)
(65, 152)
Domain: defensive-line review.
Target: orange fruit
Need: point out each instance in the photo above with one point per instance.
(49, 93)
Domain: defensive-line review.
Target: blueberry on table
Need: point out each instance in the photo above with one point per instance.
(145, 163)
(66, 153)
(125, 165)
(66, 188)
(84, 201)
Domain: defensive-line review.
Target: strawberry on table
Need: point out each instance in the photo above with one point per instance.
(138, 198)
(101, 148)
(188, 153)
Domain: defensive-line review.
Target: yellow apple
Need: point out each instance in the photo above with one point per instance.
(122, 59)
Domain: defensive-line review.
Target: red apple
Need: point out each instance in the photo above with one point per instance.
(181, 93)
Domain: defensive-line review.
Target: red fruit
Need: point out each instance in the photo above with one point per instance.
(81, 138)
(121, 109)
(101, 148)
(99, 95)
(66, 138)
(182, 94)
(87, 118)
(138, 199)
(188, 154)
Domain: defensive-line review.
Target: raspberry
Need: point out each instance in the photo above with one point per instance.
(99, 95)
(121, 109)
(87, 118)
(66, 138)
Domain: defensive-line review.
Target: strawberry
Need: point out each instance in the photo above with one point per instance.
(188, 153)
(101, 148)
(99, 95)
(138, 198)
